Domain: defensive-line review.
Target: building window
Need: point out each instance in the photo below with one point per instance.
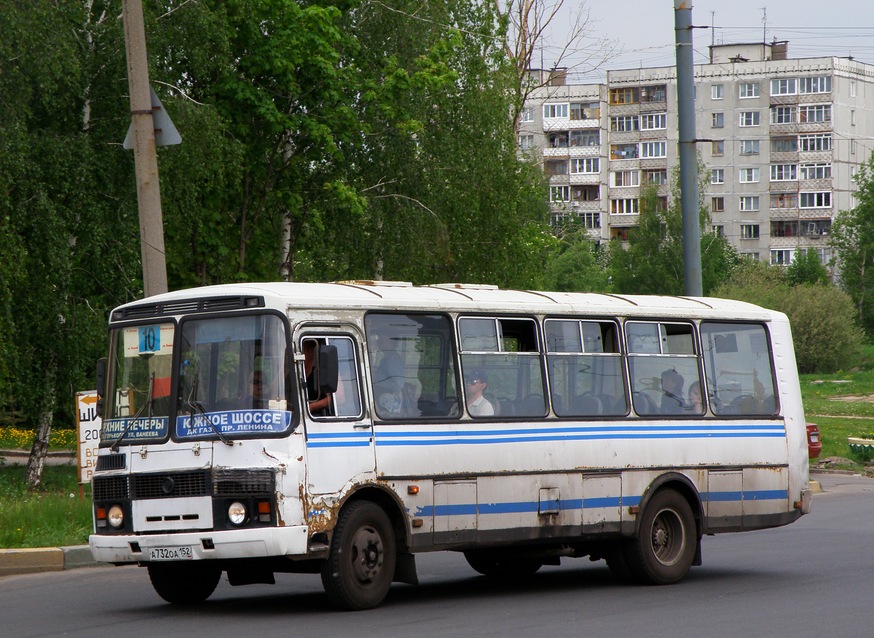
(784, 200)
(528, 114)
(591, 220)
(653, 121)
(749, 147)
(784, 144)
(717, 148)
(717, 176)
(782, 114)
(526, 142)
(816, 171)
(784, 86)
(585, 111)
(585, 193)
(623, 151)
(783, 172)
(555, 110)
(781, 257)
(624, 206)
(586, 138)
(717, 120)
(559, 193)
(749, 231)
(658, 176)
(655, 93)
(626, 95)
(817, 84)
(749, 203)
(558, 140)
(624, 123)
(746, 90)
(718, 231)
(653, 149)
(748, 175)
(749, 118)
(815, 113)
(717, 92)
(625, 178)
(555, 167)
(819, 199)
(819, 142)
(717, 205)
(585, 165)
(852, 88)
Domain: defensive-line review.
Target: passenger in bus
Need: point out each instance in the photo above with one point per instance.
(319, 403)
(672, 392)
(696, 403)
(476, 383)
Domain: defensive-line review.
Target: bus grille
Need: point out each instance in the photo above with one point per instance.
(111, 462)
(170, 485)
(182, 484)
(106, 488)
(229, 483)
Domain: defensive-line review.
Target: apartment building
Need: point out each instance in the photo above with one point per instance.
(781, 138)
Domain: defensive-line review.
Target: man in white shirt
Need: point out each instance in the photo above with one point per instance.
(475, 384)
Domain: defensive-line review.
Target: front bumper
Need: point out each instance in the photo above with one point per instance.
(209, 545)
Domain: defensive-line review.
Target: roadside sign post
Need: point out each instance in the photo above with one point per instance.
(88, 428)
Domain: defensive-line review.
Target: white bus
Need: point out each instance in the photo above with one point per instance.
(387, 419)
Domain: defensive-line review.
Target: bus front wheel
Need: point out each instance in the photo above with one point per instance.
(184, 584)
(361, 563)
(664, 549)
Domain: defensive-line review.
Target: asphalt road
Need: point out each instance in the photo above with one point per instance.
(812, 578)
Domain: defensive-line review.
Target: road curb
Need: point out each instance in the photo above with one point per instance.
(46, 559)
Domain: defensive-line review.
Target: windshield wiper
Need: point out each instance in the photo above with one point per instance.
(132, 420)
(194, 407)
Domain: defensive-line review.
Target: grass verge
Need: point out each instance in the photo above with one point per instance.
(52, 517)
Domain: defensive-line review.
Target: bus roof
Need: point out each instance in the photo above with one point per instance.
(390, 295)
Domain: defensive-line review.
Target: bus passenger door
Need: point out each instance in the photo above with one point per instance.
(340, 448)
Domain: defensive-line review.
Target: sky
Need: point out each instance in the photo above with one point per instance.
(642, 31)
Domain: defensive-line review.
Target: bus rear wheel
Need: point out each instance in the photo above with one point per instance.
(665, 547)
(360, 566)
(501, 564)
(184, 584)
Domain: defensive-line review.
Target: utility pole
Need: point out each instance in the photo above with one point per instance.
(145, 155)
(688, 156)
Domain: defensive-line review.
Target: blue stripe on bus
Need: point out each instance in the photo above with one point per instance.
(523, 507)
(540, 435)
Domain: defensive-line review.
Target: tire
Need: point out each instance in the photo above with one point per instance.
(501, 565)
(666, 543)
(184, 584)
(360, 566)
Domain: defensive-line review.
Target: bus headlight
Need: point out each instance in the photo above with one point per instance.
(237, 513)
(115, 516)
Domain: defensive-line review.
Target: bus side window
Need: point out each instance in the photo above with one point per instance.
(345, 400)
(739, 369)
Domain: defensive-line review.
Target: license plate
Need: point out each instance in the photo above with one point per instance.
(170, 553)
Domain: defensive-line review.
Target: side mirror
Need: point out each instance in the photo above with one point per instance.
(328, 368)
(101, 384)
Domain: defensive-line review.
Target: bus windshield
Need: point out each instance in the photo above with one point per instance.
(138, 404)
(232, 377)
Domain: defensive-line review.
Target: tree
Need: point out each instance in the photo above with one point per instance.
(576, 263)
(806, 268)
(527, 24)
(652, 263)
(852, 237)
